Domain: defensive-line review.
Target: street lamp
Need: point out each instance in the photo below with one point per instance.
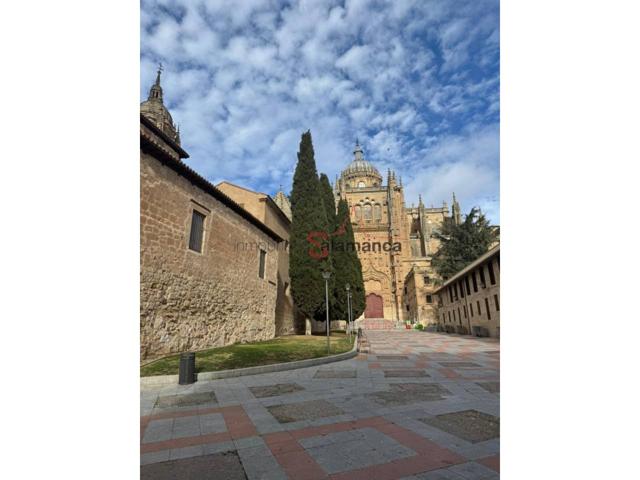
(327, 276)
(348, 288)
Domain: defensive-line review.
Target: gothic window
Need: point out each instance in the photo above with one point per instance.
(358, 212)
(377, 212)
(361, 185)
(367, 212)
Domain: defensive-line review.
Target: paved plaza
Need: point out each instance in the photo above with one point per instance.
(417, 406)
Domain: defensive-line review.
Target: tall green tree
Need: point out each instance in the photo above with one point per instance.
(328, 201)
(462, 244)
(309, 250)
(347, 266)
(330, 208)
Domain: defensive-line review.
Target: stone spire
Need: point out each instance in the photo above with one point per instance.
(283, 203)
(155, 93)
(455, 211)
(153, 108)
(357, 153)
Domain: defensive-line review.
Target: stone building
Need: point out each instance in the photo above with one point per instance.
(395, 241)
(277, 216)
(470, 299)
(198, 287)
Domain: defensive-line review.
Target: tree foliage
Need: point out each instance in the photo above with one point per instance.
(462, 244)
(309, 251)
(348, 269)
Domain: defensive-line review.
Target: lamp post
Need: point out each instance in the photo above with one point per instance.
(327, 276)
(348, 288)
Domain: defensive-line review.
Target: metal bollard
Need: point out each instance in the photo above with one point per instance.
(187, 368)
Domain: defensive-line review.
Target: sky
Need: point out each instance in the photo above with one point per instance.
(416, 81)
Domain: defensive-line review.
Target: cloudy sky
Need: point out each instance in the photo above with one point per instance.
(416, 81)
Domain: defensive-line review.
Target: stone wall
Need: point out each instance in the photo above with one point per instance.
(288, 322)
(190, 300)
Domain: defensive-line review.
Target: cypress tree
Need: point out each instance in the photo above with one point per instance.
(328, 201)
(309, 252)
(347, 266)
(330, 208)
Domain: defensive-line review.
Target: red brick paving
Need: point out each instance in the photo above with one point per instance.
(492, 462)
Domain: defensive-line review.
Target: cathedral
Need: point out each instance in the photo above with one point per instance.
(395, 242)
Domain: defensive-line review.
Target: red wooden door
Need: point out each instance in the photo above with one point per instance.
(374, 306)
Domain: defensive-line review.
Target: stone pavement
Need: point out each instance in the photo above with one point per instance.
(418, 406)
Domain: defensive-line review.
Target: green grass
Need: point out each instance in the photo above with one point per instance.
(277, 350)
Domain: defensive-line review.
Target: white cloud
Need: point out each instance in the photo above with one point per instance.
(416, 80)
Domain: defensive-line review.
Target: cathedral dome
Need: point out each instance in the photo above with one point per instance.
(359, 167)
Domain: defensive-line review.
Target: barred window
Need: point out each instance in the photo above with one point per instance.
(197, 232)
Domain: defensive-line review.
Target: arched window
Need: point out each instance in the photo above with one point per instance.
(377, 212)
(358, 212)
(361, 185)
(367, 212)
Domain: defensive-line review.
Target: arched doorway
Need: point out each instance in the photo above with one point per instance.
(374, 306)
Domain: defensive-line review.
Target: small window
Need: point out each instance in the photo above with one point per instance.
(405, 289)
(479, 309)
(407, 308)
(263, 257)
(426, 279)
(471, 309)
(495, 299)
(475, 283)
(483, 282)
(492, 277)
(450, 294)
(429, 299)
(449, 313)
(197, 232)
(459, 316)
(486, 304)
(466, 284)
(464, 309)
(461, 289)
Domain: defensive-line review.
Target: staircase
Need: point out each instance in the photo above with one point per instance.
(378, 324)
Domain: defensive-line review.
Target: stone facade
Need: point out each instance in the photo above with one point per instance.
(471, 298)
(269, 212)
(420, 304)
(395, 242)
(217, 294)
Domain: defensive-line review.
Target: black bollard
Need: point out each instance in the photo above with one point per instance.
(187, 368)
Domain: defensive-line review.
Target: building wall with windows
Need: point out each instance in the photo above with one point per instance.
(198, 289)
(471, 298)
(265, 209)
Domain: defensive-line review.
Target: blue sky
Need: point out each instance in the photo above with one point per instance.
(416, 81)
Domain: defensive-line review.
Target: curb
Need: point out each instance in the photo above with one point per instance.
(159, 380)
